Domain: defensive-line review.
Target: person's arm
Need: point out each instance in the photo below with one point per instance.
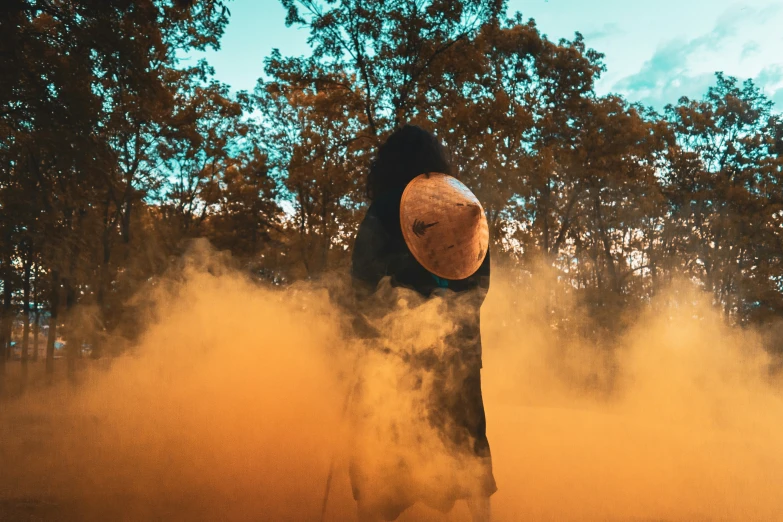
(377, 255)
(368, 263)
(372, 259)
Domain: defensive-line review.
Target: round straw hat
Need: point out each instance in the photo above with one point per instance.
(444, 225)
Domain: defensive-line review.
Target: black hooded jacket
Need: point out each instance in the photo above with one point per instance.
(455, 405)
(380, 251)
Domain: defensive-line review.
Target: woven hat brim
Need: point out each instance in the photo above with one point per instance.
(444, 226)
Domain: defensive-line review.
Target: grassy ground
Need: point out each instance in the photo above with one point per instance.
(15, 380)
(552, 462)
(29, 510)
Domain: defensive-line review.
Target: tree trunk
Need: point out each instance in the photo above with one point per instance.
(652, 256)
(8, 318)
(126, 222)
(36, 332)
(73, 342)
(36, 319)
(26, 312)
(606, 243)
(544, 207)
(55, 305)
(326, 240)
(103, 289)
(3, 340)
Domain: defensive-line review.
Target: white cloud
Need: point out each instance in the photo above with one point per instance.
(609, 29)
(771, 75)
(750, 48)
(686, 67)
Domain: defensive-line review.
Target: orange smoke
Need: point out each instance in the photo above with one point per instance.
(230, 409)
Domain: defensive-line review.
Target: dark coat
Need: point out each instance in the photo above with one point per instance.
(380, 251)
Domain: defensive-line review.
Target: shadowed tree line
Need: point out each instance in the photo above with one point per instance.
(114, 154)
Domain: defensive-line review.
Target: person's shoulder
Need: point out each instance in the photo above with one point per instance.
(389, 200)
(372, 233)
(386, 209)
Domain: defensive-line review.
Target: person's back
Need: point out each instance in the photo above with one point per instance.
(454, 403)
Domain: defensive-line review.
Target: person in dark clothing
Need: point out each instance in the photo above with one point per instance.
(454, 404)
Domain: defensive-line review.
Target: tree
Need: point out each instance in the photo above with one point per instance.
(508, 107)
(73, 89)
(247, 216)
(726, 193)
(389, 47)
(205, 124)
(315, 132)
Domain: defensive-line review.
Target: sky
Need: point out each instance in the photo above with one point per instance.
(655, 51)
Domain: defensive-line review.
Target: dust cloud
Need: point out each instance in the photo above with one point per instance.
(230, 407)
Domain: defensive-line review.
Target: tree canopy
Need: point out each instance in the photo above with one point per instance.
(114, 154)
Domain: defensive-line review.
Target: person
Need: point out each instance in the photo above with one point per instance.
(454, 403)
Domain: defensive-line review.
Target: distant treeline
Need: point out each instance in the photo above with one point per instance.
(113, 155)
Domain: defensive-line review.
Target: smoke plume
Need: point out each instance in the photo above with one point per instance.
(230, 407)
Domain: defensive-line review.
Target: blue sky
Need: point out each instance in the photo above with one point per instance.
(656, 51)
